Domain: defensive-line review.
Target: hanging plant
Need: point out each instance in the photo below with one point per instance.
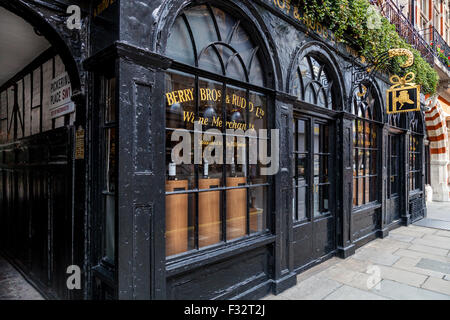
(349, 21)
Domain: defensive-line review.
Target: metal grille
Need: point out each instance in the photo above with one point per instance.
(416, 208)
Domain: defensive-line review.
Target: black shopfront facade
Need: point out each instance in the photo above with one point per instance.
(151, 229)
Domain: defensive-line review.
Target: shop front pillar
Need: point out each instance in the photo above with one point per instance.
(284, 277)
(346, 247)
(141, 209)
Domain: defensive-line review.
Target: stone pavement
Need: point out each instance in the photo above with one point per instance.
(412, 263)
(438, 216)
(13, 286)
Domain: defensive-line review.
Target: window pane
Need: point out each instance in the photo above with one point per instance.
(321, 199)
(209, 222)
(110, 160)
(236, 208)
(180, 114)
(236, 125)
(301, 135)
(180, 218)
(373, 162)
(110, 108)
(202, 26)
(258, 209)
(179, 45)
(373, 189)
(301, 203)
(257, 115)
(110, 213)
(180, 101)
(361, 191)
(366, 190)
(374, 135)
(355, 192)
(301, 169)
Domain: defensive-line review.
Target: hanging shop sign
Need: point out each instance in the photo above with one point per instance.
(403, 95)
(60, 96)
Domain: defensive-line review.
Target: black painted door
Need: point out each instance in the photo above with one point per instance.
(313, 201)
(393, 194)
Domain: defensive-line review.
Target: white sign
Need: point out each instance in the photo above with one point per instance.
(60, 96)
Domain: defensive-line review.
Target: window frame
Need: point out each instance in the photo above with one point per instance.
(226, 82)
(357, 103)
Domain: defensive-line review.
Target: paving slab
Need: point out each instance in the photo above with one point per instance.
(399, 291)
(438, 210)
(314, 288)
(434, 265)
(377, 256)
(428, 249)
(387, 244)
(403, 276)
(417, 254)
(349, 293)
(438, 285)
(420, 229)
(401, 237)
(406, 231)
(433, 223)
(318, 268)
(341, 274)
(409, 264)
(443, 233)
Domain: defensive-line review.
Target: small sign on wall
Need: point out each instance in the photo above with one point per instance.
(79, 144)
(60, 96)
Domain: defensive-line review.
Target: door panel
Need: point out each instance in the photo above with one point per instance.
(314, 220)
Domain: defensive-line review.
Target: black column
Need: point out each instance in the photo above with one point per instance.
(284, 276)
(141, 212)
(345, 185)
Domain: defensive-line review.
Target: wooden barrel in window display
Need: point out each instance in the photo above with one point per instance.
(208, 213)
(176, 218)
(236, 208)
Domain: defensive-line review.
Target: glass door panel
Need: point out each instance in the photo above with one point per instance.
(321, 159)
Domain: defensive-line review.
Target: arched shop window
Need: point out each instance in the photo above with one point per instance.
(366, 108)
(220, 87)
(415, 152)
(312, 82)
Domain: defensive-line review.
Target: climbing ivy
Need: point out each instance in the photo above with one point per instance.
(350, 19)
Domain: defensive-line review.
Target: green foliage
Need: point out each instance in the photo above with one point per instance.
(348, 19)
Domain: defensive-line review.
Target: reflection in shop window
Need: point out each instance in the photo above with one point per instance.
(211, 203)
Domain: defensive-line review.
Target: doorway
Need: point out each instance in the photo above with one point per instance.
(313, 184)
